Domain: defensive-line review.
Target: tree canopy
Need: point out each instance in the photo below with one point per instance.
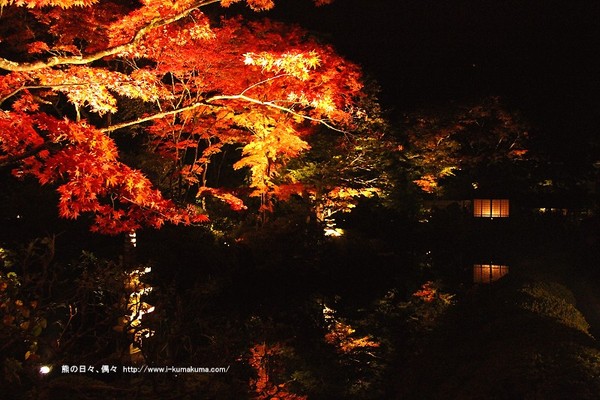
(78, 75)
(470, 137)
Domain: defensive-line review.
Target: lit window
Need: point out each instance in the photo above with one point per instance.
(490, 208)
(488, 273)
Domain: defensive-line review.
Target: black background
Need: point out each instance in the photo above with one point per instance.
(540, 57)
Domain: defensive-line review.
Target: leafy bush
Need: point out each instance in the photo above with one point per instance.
(55, 313)
(550, 299)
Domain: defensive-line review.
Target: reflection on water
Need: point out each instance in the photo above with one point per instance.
(137, 307)
(488, 273)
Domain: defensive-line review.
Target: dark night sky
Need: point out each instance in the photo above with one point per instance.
(539, 56)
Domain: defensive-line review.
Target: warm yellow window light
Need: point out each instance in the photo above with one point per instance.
(490, 208)
(488, 273)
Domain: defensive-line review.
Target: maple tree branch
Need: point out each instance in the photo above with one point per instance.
(270, 104)
(152, 210)
(11, 160)
(209, 102)
(15, 66)
(263, 81)
(155, 116)
(16, 91)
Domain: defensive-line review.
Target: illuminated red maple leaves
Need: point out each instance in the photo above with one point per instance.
(264, 363)
(258, 85)
(260, 5)
(47, 3)
(121, 198)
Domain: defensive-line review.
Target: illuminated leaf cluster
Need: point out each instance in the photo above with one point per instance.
(428, 304)
(342, 336)
(340, 172)
(201, 86)
(442, 142)
(48, 3)
(263, 362)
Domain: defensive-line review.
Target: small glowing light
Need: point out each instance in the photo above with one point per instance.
(330, 228)
(328, 314)
(336, 232)
(44, 369)
(133, 238)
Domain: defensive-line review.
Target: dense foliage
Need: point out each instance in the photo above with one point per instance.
(79, 75)
(155, 114)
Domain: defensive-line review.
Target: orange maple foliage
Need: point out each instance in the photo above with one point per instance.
(202, 85)
(430, 292)
(427, 183)
(47, 3)
(342, 199)
(262, 361)
(342, 336)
